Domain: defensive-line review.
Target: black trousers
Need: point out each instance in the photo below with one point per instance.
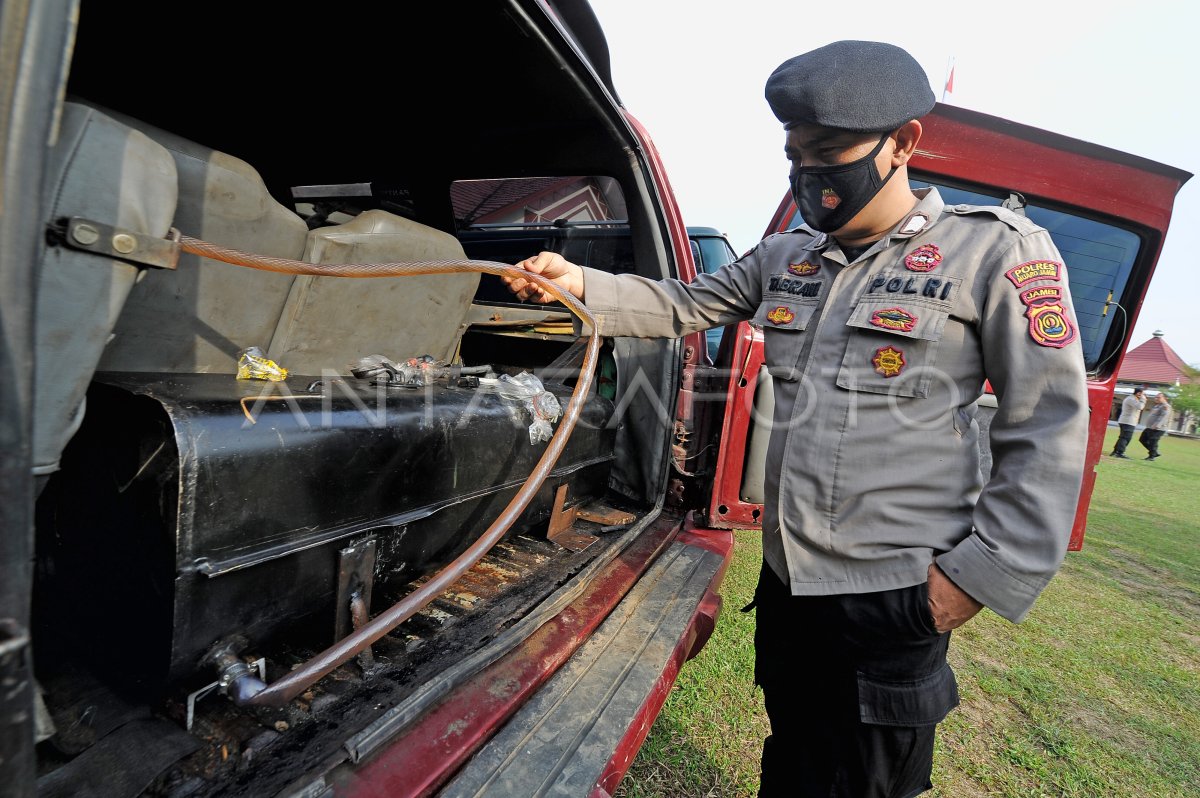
(1150, 438)
(855, 686)
(1123, 439)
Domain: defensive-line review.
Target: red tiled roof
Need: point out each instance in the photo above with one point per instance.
(1154, 362)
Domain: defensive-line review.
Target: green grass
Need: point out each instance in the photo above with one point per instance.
(1097, 693)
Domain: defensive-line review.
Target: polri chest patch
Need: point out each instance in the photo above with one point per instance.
(804, 268)
(911, 285)
(924, 258)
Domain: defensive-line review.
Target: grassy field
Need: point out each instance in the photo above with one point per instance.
(1097, 693)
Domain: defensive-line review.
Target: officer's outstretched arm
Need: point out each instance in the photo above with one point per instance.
(629, 305)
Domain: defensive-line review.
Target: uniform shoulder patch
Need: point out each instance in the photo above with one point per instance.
(1041, 293)
(1049, 325)
(1031, 270)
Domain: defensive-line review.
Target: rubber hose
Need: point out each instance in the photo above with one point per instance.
(304, 676)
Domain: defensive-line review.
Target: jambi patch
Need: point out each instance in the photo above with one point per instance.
(888, 361)
(1048, 324)
(781, 315)
(1041, 293)
(1034, 270)
(804, 268)
(896, 319)
(924, 258)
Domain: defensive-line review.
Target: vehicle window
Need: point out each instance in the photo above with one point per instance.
(509, 219)
(1099, 260)
(714, 252)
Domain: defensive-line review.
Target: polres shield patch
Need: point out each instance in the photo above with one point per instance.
(804, 268)
(781, 315)
(924, 258)
(1032, 270)
(889, 361)
(1048, 324)
(895, 319)
(830, 199)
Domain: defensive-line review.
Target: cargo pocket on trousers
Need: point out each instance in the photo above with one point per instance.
(924, 702)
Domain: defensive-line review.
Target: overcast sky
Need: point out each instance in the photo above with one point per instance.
(1119, 74)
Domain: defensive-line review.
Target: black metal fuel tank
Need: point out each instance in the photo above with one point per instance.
(193, 506)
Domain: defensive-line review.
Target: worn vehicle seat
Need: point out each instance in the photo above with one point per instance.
(196, 319)
(106, 172)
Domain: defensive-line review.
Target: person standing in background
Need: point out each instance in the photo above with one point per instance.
(1131, 410)
(1156, 425)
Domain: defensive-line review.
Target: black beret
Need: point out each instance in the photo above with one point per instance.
(867, 87)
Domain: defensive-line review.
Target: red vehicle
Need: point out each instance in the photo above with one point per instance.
(456, 549)
(1108, 213)
(453, 531)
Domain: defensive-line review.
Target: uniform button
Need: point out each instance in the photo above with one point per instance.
(961, 208)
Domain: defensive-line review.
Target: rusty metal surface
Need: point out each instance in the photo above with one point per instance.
(356, 577)
(561, 527)
(603, 514)
(360, 616)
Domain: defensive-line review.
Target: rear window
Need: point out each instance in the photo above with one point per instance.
(712, 252)
(1099, 258)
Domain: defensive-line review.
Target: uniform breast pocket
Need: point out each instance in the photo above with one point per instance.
(783, 326)
(891, 347)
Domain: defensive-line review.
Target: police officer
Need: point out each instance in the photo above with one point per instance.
(882, 317)
(1131, 410)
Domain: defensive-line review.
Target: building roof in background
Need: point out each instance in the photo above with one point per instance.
(1154, 363)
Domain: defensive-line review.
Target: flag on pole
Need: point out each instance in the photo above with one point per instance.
(949, 87)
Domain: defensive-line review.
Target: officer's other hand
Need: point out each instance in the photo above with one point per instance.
(552, 266)
(949, 604)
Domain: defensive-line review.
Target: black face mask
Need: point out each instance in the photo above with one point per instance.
(830, 196)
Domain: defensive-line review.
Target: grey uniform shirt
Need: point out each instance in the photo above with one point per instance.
(1131, 408)
(1157, 419)
(873, 464)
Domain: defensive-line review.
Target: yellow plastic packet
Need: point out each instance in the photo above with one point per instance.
(254, 365)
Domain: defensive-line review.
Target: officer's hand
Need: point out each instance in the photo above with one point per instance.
(552, 266)
(949, 604)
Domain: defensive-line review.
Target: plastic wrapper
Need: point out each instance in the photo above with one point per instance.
(253, 364)
(542, 405)
(417, 372)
